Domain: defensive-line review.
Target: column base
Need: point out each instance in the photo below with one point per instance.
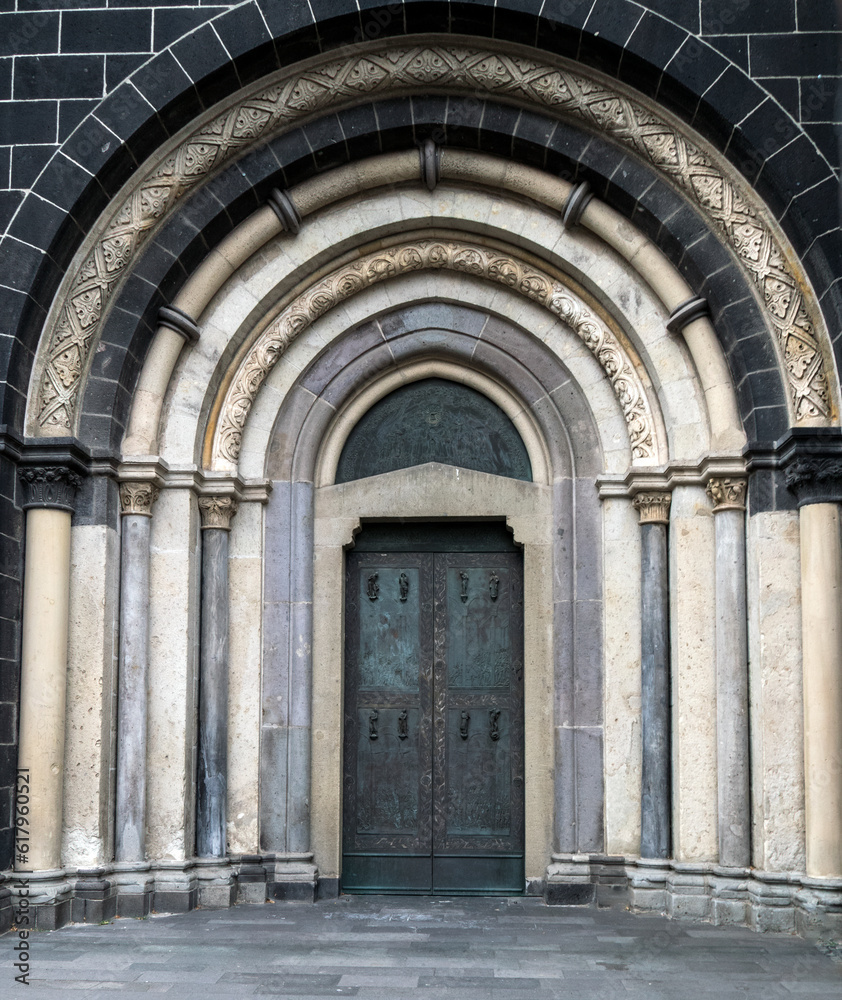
(217, 883)
(250, 878)
(134, 883)
(291, 877)
(46, 896)
(570, 881)
(176, 886)
(7, 910)
(94, 897)
(778, 902)
(729, 897)
(688, 891)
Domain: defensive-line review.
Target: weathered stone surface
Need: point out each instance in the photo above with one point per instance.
(774, 630)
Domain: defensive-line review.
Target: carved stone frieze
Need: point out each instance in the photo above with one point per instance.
(217, 511)
(75, 322)
(420, 255)
(52, 486)
(137, 498)
(727, 494)
(653, 508)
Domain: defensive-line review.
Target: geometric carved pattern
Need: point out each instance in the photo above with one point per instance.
(423, 255)
(564, 93)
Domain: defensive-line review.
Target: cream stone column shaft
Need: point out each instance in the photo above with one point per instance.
(821, 589)
(732, 729)
(136, 501)
(49, 504)
(175, 329)
(212, 780)
(655, 833)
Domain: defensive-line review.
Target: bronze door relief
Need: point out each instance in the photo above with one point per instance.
(433, 743)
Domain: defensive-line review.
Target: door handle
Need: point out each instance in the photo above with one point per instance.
(463, 725)
(372, 724)
(493, 723)
(403, 725)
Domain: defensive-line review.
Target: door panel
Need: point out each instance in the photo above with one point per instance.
(433, 769)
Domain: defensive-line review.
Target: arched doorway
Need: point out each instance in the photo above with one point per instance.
(433, 777)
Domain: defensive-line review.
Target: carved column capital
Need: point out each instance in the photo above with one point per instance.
(653, 508)
(727, 494)
(814, 479)
(51, 486)
(217, 512)
(137, 498)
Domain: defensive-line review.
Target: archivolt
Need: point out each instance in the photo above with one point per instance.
(75, 321)
(419, 255)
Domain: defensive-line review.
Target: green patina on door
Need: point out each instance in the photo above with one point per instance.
(433, 748)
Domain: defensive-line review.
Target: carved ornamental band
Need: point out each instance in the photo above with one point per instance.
(217, 512)
(465, 258)
(727, 494)
(653, 508)
(137, 498)
(53, 487)
(564, 93)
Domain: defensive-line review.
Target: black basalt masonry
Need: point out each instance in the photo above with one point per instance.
(758, 78)
(659, 52)
(11, 599)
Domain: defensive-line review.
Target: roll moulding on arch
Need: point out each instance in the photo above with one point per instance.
(554, 87)
(644, 257)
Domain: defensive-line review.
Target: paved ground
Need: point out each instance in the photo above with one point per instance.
(389, 948)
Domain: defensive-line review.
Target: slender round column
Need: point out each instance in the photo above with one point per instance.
(49, 503)
(136, 501)
(655, 833)
(812, 462)
(821, 601)
(212, 784)
(732, 736)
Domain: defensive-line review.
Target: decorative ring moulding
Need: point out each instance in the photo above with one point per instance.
(471, 169)
(461, 256)
(530, 79)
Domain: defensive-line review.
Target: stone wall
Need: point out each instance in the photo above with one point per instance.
(88, 91)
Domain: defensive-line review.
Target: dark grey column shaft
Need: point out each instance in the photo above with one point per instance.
(212, 781)
(655, 834)
(136, 501)
(732, 736)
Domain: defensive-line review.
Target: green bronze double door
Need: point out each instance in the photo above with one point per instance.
(433, 744)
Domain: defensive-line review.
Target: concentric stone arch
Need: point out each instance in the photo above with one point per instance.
(423, 254)
(687, 161)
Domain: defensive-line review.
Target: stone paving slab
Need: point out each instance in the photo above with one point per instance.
(392, 948)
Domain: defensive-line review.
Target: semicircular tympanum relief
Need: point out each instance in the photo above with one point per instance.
(434, 420)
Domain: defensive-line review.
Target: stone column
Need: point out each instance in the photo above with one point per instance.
(212, 784)
(812, 461)
(732, 736)
(655, 832)
(136, 501)
(50, 493)
(821, 601)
